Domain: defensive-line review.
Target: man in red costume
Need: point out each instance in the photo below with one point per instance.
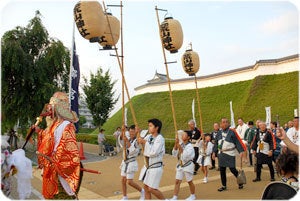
(58, 155)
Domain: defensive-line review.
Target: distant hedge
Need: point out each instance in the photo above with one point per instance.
(92, 139)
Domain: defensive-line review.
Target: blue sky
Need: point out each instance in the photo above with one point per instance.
(226, 34)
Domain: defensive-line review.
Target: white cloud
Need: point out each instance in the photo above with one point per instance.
(281, 24)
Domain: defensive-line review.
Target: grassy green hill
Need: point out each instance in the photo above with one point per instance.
(249, 101)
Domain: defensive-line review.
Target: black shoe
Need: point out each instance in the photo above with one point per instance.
(223, 188)
(195, 172)
(256, 179)
(272, 179)
(241, 186)
(211, 168)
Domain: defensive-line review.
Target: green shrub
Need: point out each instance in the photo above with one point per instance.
(169, 144)
(85, 130)
(93, 139)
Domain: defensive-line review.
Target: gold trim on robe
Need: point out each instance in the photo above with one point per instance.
(65, 161)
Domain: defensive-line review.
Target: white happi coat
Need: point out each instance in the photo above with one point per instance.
(186, 157)
(241, 130)
(293, 135)
(132, 153)
(154, 149)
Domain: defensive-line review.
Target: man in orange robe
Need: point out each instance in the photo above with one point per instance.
(58, 154)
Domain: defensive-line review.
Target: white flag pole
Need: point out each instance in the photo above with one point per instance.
(268, 117)
(125, 117)
(296, 113)
(71, 64)
(193, 111)
(232, 124)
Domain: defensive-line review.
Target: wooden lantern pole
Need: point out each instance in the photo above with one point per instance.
(123, 96)
(121, 66)
(167, 72)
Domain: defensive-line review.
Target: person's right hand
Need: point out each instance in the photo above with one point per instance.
(176, 140)
(281, 134)
(213, 156)
(36, 128)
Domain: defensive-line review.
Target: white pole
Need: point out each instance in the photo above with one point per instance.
(268, 116)
(193, 111)
(71, 64)
(232, 124)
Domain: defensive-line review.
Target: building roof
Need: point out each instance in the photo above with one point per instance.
(158, 78)
(156, 81)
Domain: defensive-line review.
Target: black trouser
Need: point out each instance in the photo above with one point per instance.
(250, 155)
(258, 170)
(197, 166)
(213, 162)
(223, 174)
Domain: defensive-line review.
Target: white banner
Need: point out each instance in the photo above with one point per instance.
(268, 117)
(125, 116)
(296, 113)
(232, 124)
(193, 111)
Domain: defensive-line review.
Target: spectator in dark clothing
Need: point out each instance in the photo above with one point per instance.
(263, 150)
(213, 140)
(195, 140)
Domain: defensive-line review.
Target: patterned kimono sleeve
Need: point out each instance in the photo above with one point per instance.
(45, 146)
(240, 146)
(66, 157)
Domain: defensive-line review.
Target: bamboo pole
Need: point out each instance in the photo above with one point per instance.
(123, 96)
(167, 72)
(122, 72)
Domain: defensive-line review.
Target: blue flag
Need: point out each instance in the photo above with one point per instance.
(75, 78)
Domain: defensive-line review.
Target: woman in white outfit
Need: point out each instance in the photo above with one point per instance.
(205, 151)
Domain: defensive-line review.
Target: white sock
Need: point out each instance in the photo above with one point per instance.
(174, 197)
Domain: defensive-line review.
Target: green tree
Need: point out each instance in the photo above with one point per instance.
(34, 66)
(82, 120)
(100, 96)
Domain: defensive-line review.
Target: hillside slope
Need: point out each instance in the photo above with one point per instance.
(249, 101)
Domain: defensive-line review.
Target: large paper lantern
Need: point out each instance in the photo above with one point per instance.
(171, 34)
(89, 18)
(190, 62)
(106, 39)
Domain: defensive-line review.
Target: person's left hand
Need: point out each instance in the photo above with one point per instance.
(270, 153)
(141, 140)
